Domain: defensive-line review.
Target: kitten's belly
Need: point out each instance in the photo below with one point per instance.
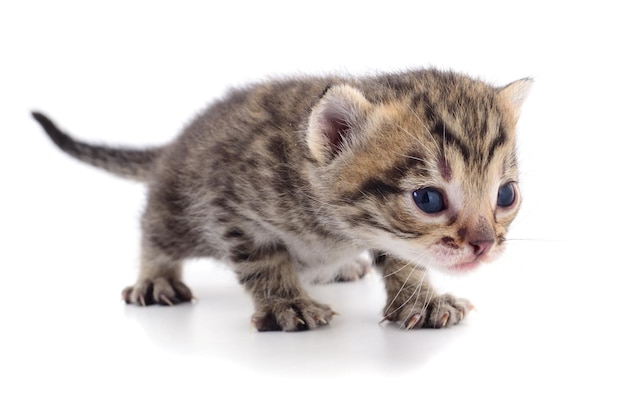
(323, 265)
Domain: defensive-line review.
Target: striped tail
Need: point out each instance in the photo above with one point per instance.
(128, 163)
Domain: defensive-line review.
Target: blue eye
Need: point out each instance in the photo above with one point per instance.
(430, 200)
(506, 195)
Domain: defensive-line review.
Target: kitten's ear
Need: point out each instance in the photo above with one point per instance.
(335, 121)
(515, 93)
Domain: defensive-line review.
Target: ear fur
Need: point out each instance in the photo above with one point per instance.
(335, 121)
(515, 94)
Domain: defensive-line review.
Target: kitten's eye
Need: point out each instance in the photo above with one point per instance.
(430, 200)
(506, 195)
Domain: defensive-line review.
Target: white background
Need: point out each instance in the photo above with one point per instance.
(550, 319)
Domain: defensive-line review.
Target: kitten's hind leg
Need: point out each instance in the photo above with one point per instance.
(412, 301)
(159, 280)
(167, 239)
(280, 301)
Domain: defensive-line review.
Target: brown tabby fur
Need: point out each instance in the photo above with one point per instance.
(297, 177)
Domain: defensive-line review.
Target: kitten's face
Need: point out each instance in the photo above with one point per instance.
(432, 179)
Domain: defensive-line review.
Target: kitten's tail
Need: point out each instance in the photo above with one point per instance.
(128, 163)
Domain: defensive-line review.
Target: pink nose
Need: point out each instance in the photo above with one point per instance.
(481, 247)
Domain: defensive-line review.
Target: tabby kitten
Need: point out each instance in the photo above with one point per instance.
(297, 178)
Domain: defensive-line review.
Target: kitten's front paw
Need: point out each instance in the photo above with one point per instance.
(292, 315)
(157, 291)
(442, 311)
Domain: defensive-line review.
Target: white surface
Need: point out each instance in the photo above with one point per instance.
(549, 323)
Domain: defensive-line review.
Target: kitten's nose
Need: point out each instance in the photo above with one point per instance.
(481, 247)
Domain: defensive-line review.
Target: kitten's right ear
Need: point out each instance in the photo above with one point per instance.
(335, 121)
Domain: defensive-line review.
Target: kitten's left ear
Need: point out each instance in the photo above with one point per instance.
(336, 121)
(515, 93)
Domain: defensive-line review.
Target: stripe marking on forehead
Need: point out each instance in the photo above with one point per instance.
(445, 170)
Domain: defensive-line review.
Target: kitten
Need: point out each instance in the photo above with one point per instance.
(297, 177)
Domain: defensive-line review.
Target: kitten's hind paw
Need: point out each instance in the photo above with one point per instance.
(292, 315)
(354, 271)
(157, 291)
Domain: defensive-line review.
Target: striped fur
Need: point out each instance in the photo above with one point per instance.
(296, 178)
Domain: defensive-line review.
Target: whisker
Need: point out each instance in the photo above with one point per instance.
(412, 135)
(422, 123)
(410, 157)
(444, 143)
(535, 239)
(417, 293)
(386, 313)
(396, 271)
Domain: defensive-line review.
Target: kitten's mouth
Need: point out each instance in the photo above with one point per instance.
(472, 263)
(467, 266)
(459, 263)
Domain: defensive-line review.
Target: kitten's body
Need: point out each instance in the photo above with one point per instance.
(299, 177)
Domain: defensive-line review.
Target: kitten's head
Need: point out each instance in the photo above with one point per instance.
(420, 165)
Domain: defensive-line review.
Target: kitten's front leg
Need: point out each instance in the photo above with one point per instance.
(411, 299)
(280, 301)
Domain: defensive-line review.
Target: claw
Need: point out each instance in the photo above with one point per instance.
(413, 321)
(300, 321)
(444, 319)
(142, 301)
(321, 320)
(165, 299)
(126, 295)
